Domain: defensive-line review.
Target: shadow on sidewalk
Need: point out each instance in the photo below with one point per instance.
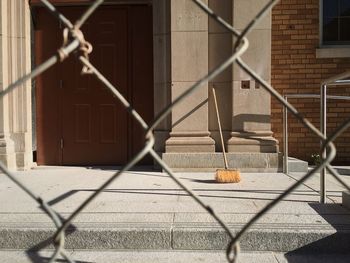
(240, 194)
(332, 248)
(33, 253)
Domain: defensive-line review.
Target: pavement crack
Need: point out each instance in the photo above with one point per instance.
(276, 258)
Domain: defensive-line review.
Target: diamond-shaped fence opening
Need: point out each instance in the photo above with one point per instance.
(74, 40)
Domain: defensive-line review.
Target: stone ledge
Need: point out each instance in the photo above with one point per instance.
(246, 162)
(98, 238)
(297, 166)
(333, 52)
(181, 238)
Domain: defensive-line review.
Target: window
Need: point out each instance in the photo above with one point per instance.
(336, 22)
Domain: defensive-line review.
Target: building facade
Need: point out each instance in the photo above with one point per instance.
(153, 51)
(310, 43)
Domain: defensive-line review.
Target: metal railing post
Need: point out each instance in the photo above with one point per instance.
(323, 125)
(285, 139)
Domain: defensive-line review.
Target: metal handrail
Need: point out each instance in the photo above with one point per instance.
(323, 115)
(315, 96)
(340, 79)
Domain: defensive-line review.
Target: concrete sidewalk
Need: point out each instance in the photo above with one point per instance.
(148, 211)
(173, 256)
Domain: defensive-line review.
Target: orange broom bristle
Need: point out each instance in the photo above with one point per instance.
(227, 176)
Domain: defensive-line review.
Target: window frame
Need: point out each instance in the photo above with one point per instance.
(321, 42)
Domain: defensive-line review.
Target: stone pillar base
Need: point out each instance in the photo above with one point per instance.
(262, 142)
(23, 150)
(186, 142)
(210, 162)
(7, 153)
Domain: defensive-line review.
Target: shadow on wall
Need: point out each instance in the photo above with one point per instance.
(186, 115)
(241, 120)
(332, 248)
(242, 123)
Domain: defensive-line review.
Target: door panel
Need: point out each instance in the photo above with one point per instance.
(82, 123)
(140, 21)
(94, 126)
(47, 90)
(108, 129)
(100, 122)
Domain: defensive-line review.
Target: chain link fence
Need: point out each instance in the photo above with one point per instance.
(74, 41)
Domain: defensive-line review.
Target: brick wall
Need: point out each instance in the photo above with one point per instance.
(295, 69)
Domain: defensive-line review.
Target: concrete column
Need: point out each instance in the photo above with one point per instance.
(15, 107)
(7, 151)
(189, 62)
(162, 68)
(220, 48)
(251, 127)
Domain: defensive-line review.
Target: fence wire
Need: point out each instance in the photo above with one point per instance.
(74, 41)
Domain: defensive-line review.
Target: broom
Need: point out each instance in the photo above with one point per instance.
(224, 175)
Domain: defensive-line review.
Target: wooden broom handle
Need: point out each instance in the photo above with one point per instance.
(220, 130)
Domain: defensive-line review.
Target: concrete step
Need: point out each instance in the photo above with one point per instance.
(101, 233)
(147, 211)
(297, 166)
(245, 162)
(172, 256)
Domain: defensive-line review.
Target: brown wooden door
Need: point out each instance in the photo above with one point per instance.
(78, 118)
(94, 124)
